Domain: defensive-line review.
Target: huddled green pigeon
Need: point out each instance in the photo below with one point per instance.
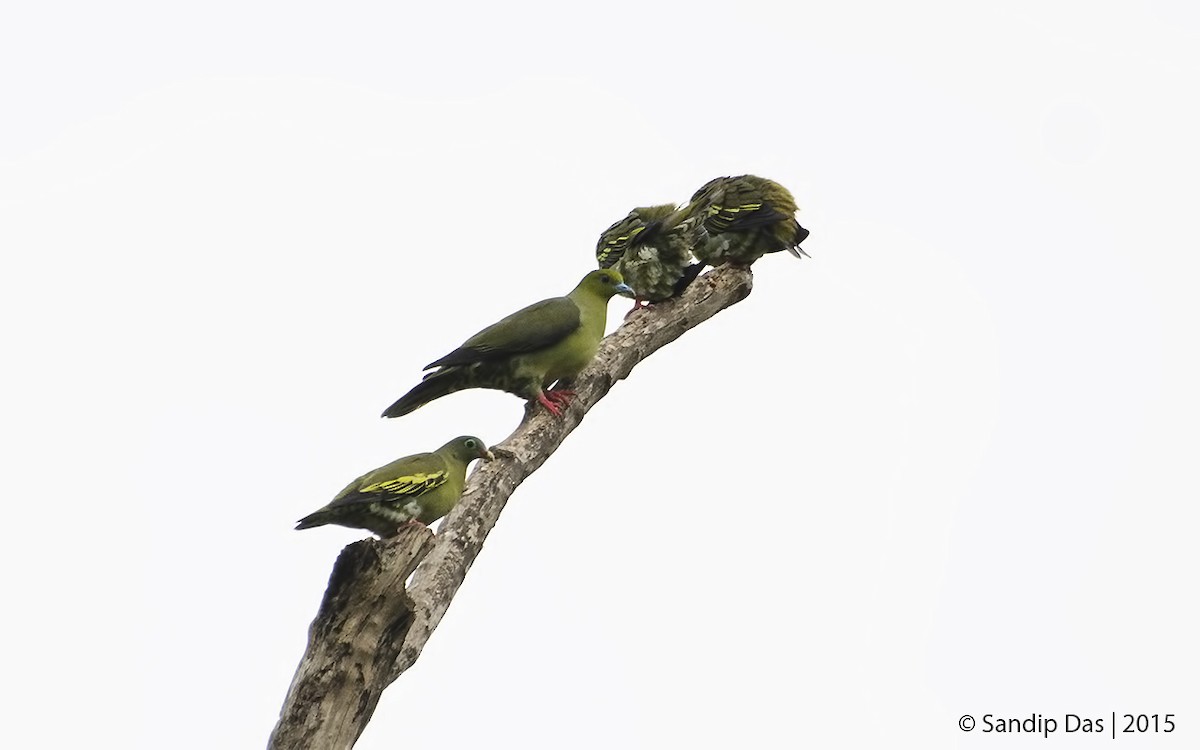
(657, 267)
(414, 490)
(529, 350)
(741, 219)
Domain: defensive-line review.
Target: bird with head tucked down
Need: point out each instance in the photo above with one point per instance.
(414, 490)
(528, 351)
(657, 266)
(740, 219)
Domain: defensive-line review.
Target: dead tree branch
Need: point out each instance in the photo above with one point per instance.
(370, 627)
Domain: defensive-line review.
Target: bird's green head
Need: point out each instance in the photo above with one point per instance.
(777, 195)
(604, 284)
(467, 448)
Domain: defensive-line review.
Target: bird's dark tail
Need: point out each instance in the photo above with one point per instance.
(434, 386)
(689, 275)
(312, 520)
(800, 236)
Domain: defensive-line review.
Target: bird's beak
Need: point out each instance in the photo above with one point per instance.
(487, 455)
(624, 290)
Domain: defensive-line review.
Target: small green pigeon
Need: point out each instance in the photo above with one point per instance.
(657, 267)
(410, 491)
(742, 219)
(528, 351)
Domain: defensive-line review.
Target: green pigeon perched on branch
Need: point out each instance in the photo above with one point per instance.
(529, 350)
(741, 219)
(414, 490)
(658, 267)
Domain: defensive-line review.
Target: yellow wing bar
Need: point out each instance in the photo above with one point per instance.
(413, 484)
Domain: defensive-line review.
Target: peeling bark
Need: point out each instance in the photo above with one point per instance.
(370, 627)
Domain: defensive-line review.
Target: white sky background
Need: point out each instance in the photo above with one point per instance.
(946, 466)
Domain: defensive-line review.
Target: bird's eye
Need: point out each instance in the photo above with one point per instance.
(606, 278)
(472, 444)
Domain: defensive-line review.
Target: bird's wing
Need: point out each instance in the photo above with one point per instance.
(643, 226)
(616, 239)
(740, 211)
(739, 204)
(403, 479)
(538, 326)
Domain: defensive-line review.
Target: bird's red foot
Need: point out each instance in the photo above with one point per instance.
(556, 400)
(551, 407)
(638, 304)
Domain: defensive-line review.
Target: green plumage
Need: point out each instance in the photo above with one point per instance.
(654, 267)
(420, 488)
(526, 352)
(740, 219)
